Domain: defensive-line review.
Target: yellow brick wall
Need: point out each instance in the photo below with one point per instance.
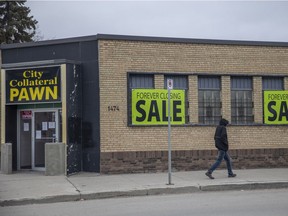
(159, 81)
(225, 97)
(257, 98)
(193, 99)
(286, 83)
(117, 58)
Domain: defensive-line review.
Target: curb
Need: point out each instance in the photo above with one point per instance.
(247, 186)
(145, 192)
(50, 199)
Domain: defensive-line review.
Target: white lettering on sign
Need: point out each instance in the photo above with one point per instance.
(26, 114)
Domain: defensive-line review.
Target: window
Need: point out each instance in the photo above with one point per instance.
(272, 83)
(180, 82)
(209, 100)
(141, 81)
(241, 100)
(138, 81)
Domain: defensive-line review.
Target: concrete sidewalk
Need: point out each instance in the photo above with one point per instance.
(29, 187)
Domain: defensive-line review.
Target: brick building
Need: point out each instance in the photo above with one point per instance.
(111, 108)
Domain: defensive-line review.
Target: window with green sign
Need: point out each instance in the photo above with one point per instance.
(180, 82)
(138, 81)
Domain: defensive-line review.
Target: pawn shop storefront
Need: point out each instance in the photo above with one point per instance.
(34, 114)
(103, 98)
(35, 126)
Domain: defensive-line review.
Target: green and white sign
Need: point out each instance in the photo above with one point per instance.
(150, 107)
(276, 107)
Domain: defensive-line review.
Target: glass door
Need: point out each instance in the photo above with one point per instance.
(45, 130)
(25, 139)
(35, 128)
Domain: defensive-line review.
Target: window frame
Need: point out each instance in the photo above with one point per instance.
(215, 88)
(245, 108)
(129, 92)
(169, 76)
(269, 78)
(280, 78)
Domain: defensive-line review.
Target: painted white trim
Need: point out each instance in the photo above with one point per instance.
(64, 109)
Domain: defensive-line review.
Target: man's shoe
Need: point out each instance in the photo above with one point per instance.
(209, 175)
(232, 175)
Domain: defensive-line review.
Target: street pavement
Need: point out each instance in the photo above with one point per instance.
(31, 187)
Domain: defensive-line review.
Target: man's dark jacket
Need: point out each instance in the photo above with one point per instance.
(221, 139)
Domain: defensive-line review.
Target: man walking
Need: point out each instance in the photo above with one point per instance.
(221, 143)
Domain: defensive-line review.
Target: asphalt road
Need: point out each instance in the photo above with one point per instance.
(232, 203)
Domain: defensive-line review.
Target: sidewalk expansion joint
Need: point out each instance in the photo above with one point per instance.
(74, 187)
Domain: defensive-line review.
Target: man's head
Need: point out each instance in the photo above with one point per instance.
(223, 122)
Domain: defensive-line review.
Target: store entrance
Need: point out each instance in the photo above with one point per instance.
(36, 127)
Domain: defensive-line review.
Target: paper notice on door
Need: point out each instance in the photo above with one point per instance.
(51, 125)
(26, 127)
(44, 126)
(38, 134)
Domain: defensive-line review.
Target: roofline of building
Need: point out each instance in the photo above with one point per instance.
(144, 39)
(48, 42)
(190, 40)
(10, 66)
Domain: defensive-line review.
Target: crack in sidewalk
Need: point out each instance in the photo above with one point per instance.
(76, 189)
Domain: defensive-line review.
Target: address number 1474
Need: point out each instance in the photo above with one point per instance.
(113, 108)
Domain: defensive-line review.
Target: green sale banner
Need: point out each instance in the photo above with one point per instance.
(276, 107)
(150, 107)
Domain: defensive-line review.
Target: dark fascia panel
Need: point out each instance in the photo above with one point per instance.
(144, 39)
(48, 42)
(38, 63)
